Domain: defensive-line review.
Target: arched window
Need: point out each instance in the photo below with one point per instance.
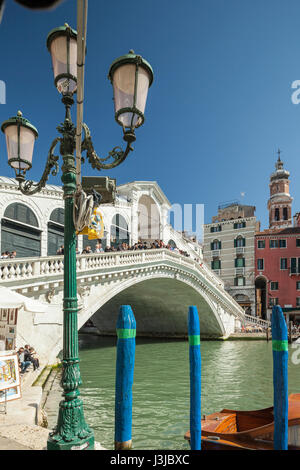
(277, 217)
(239, 241)
(20, 232)
(216, 245)
(285, 213)
(172, 243)
(56, 230)
(118, 231)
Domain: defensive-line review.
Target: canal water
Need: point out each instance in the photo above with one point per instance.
(235, 374)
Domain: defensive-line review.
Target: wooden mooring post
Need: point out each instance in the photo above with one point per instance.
(195, 378)
(280, 378)
(126, 332)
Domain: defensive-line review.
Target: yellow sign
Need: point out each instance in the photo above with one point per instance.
(95, 229)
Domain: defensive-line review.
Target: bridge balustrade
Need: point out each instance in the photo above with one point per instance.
(19, 269)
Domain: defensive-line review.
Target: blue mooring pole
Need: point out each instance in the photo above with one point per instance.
(195, 378)
(280, 378)
(126, 332)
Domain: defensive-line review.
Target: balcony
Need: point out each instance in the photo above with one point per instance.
(239, 271)
(294, 273)
(240, 250)
(215, 253)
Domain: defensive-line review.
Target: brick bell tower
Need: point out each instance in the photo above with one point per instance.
(280, 202)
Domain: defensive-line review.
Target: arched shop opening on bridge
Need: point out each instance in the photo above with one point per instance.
(20, 231)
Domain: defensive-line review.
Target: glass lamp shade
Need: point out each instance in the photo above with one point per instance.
(62, 45)
(131, 77)
(20, 138)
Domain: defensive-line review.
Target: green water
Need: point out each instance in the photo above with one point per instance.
(235, 374)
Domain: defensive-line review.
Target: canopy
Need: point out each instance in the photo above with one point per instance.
(11, 299)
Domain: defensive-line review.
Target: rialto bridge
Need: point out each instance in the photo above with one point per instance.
(159, 285)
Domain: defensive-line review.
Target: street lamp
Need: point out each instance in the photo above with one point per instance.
(131, 77)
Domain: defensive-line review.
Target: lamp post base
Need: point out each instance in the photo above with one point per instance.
(76, 444)
(71, 432)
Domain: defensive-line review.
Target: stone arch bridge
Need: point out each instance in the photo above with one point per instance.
(158, 284)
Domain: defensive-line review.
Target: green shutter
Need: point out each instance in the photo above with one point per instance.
(293, 265)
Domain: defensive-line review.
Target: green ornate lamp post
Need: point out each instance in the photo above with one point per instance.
(131, 77)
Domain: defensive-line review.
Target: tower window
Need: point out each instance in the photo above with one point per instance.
(276, 214)
(285, 213)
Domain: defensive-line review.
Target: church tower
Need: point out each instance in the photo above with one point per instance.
(280, 202)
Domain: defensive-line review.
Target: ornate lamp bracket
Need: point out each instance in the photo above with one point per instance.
(116, 154)
(30, 187)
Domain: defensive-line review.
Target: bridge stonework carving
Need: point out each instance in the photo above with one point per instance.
(159, 285)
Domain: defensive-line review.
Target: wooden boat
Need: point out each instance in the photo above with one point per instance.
(248, 430)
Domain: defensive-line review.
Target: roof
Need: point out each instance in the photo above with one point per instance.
(140, 184)
(282, 231)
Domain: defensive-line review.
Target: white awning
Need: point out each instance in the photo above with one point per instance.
(11, 299)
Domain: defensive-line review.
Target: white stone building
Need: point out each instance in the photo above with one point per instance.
(34, 225)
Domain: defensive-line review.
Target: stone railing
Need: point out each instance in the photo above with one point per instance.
(27, 269)
(257, 321)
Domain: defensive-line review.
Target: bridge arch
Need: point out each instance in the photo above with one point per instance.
(156, 313)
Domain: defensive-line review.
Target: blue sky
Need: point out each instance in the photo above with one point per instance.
(219, 107)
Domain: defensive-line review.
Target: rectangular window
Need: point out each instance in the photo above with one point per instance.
(260, 264)
(293, 265)
(273, 301)
(298, 242)
(216, 264)
(282, 243)
(239, 262)
(283, 263)
(298, 285)
(239, 225)
(273, 243)
(274, 285)
(261, 244)
(298, 301)
(239, 281)
(217, 228)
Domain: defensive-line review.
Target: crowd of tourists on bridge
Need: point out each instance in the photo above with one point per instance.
(8, 254)
(140, 245)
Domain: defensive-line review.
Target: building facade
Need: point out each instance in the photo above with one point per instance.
(229, 251)
(277, 271)
(277, 251)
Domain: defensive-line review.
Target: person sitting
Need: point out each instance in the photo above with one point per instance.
(30, 357)
(23, 362)
(34, 358)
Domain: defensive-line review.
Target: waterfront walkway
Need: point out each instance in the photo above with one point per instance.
(21, 426)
